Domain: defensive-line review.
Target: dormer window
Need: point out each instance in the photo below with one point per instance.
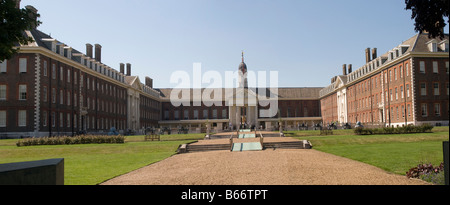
(403, 49)
(61, 49)
(443, 45)
(391, 55)
(68, 52)
(432, 45)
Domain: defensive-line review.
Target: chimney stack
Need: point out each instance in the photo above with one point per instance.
(374, 53)
(149, 82)
(344, 69)
(122, 68)
(32, 15)
(349, 68)
(128, 69)
(98, 52)
(89, 50)
(367, 55)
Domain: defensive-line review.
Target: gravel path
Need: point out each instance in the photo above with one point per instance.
(268, 167)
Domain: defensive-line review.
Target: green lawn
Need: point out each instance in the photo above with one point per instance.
(393, 153)
(94, 163)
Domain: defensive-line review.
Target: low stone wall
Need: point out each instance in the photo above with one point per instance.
(42, 172)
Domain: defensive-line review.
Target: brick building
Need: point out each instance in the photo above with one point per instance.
(295, 106)
(407, 85)
(49, 88)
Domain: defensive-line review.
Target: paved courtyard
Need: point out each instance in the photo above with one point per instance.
(267, 167)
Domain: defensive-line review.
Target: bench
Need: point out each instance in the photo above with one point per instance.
(152, 137)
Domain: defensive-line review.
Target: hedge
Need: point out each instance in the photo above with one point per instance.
(398, 130)
(66, 140)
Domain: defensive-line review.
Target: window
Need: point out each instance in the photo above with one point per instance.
(386, 97)
(224, 114)
(396, 109)
(3, 66)
(195, 114)
(22, 92)
(3, 92)
(68, 75)
(392, 113)
(435, 67)
(68, 119)
(61, 97)
(396, 93)
(395, 73)
(22, 65)
(423, 89)
(166, 114)
(53, 71)
(422, 67)
(424, 110)
(45, 93)
(392, 97)
(436, 88)
(45, 68)
(205, 114)
(177, 114)
(22, 120)
(433, 47)
(390, 75)
(186, 114)
(446, 67)
(2, 118)
(401, 72)
(68, 98)
(61, 119)
(61, 73)
(53, 95)
(401, 92)
(44, 119)
(214, 113)
(407, 69)
(407, 90)
(437, 109)
(75, 121)
(409, 110)
(403, 111)
(53, 119)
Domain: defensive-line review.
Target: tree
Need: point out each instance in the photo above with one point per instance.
(13, 22)
(429, 16)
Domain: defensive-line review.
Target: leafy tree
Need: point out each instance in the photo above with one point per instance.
(429, 16)
(13, 22)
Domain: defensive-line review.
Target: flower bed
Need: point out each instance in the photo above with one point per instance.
(397, 130)
(66, 140)
(428, 173)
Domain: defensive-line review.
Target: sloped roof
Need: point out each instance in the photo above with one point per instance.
(283, 93)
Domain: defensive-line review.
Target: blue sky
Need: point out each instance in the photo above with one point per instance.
(306, 41)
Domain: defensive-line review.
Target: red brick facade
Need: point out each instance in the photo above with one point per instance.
(407, 85)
